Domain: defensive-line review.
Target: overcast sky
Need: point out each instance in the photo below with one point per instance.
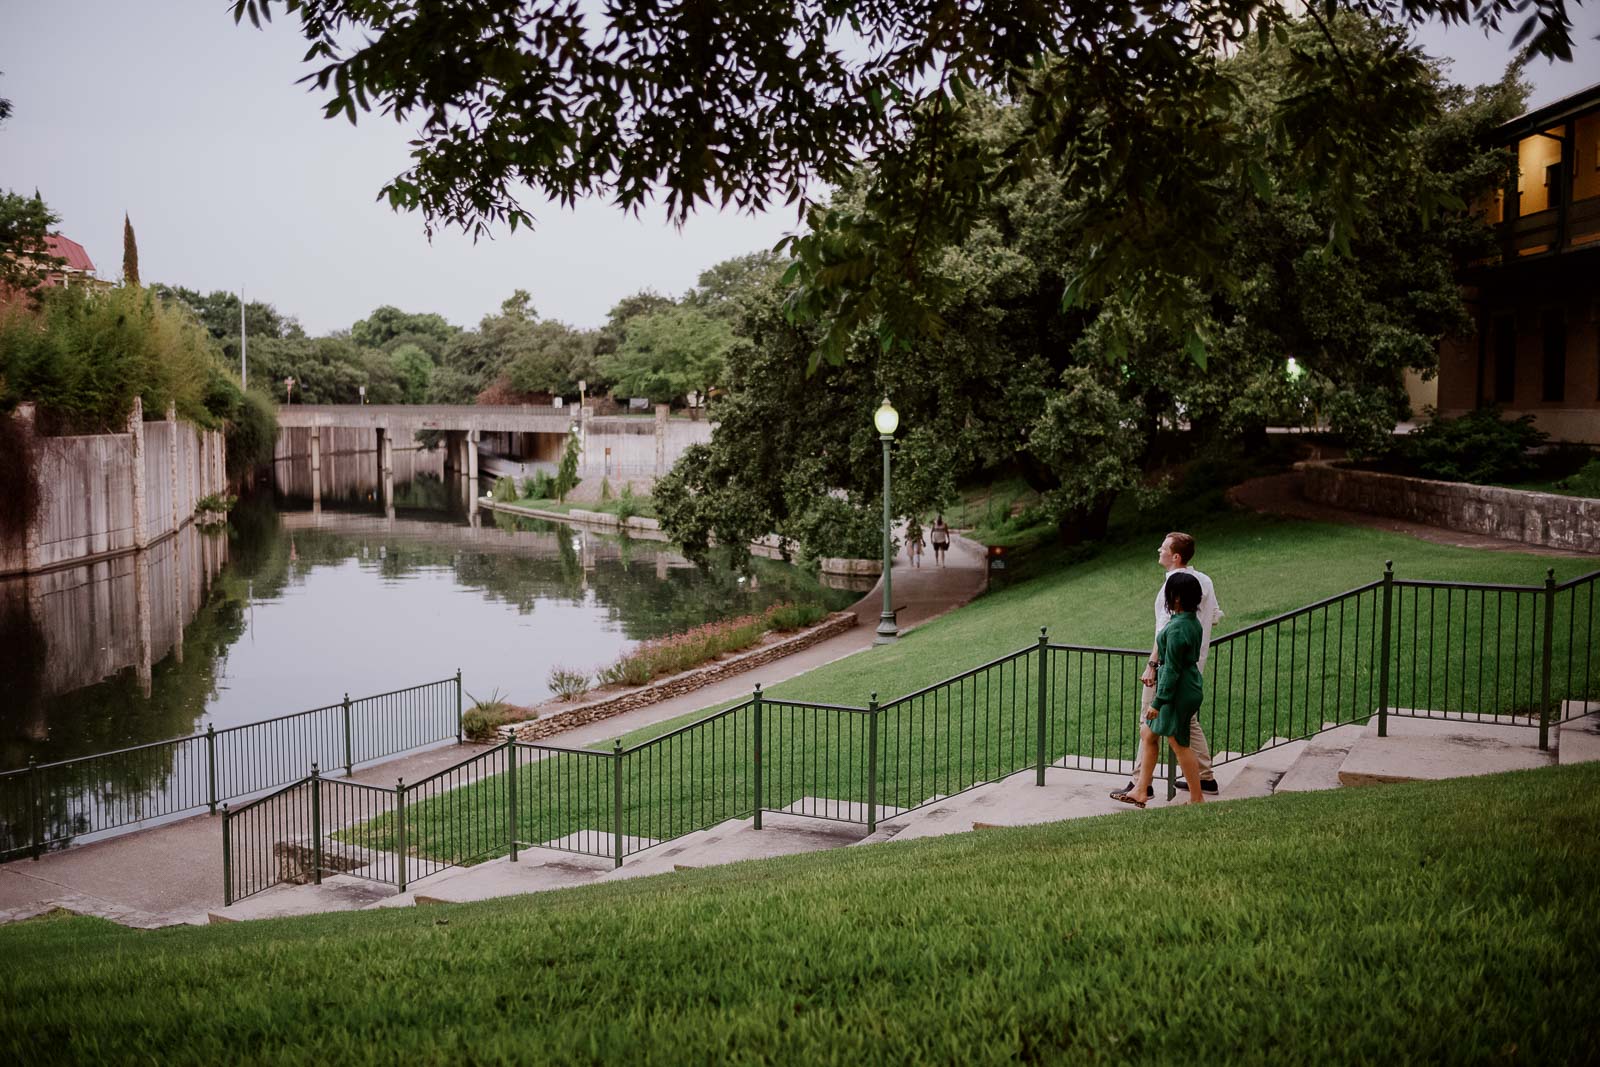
(196, 128)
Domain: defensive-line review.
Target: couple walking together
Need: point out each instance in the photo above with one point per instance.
(1186, 609)
(939, 534)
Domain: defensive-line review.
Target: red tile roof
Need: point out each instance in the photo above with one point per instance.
(71, 251)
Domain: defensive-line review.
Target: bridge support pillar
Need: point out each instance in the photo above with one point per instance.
(472, 459)
(316, 467)
(386, 470)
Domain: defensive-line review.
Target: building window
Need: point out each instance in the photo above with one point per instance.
(1555, 355)
(1505, 360)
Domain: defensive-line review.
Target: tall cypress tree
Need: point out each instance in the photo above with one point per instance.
(130, 253)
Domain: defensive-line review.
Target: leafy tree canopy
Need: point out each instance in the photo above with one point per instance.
(1085, 404)
(25, 222)
(218, 312)
(388, 327)
(667, 354)
(1130, 103)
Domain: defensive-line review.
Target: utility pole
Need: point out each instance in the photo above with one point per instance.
(244, 346)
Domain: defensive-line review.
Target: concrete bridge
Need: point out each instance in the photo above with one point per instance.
(525, 436)
(526, 429)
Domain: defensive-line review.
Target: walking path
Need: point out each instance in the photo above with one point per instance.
(1283, 495)
(172, 873)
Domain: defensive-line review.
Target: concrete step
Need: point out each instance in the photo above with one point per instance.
(1578, 741)
(339, 892)
(1432, 749)
(781, 834)
(532, 873)
(1317, 766)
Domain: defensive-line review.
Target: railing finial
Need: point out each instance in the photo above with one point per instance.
(1388, 564)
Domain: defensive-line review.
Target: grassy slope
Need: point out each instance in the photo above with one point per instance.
(1429, 923)
(1262, 567)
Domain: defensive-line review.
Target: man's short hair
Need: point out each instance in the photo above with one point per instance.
(1182, 546)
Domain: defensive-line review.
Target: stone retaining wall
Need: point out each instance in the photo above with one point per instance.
(687, 682)
(1546, 519)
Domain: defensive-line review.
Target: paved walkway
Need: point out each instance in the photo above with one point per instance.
(173, 873)
(1283, 495)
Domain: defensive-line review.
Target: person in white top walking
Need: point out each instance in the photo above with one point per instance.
(1177, 550)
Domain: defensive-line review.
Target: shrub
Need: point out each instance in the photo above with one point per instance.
(480, 720)
(478, 724)
(1478, 447)
(538, 487)
(611, 673)
(627, 504)
(505, 490)
(567, 684)
(566, 479)
(86, 356)
(215, 502)
(786, 617)
(605, 489)
(1586, 482)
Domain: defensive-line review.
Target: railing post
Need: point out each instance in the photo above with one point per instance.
(227, 857)
(1544, 676)
(1044, 676)
(400, 832)
(616, 800)
(316, 825)
(872, 764)
(211, 767)
(459, 735)
(35, 811)
(349, 764)
(511, 794)
(755, 757)
(1383, 657)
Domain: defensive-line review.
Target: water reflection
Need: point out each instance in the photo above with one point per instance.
(293, 607)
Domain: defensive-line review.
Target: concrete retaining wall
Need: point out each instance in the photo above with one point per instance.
(1545, 519)
(104, 494)
(687, 682)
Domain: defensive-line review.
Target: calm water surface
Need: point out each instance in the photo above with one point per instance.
(290, 609)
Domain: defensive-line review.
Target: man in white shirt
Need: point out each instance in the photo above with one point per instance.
(1177, 549)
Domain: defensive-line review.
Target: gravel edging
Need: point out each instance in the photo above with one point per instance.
(565, 718)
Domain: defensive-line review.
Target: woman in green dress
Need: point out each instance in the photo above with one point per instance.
(1179, 689)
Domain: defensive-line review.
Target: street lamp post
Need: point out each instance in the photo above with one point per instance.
(886, 419)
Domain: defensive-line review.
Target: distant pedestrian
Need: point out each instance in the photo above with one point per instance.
(914, 542)
(939, 536)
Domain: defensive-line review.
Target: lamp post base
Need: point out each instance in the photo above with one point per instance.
(888, 631)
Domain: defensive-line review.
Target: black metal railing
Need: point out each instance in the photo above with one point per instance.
(1520, 655)
(45, 805)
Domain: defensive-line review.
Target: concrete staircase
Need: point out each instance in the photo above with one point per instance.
(1417, 749)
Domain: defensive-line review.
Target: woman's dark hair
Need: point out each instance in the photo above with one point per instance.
(1183, 592)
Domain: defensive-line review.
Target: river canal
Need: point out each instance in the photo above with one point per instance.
(290, 608)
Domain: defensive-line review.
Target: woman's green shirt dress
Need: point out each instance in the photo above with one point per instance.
(1178, 685)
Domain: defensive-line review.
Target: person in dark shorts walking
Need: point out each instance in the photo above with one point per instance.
(939, 538)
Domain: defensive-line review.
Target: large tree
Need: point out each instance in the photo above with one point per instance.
(1077, 403)
(744, 101)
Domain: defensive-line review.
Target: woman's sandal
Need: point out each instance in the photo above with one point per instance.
(1127, 798)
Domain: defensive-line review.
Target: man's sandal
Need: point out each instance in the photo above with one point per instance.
(1127, 798)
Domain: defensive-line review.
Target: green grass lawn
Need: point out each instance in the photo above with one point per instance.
(1427, 923)
(1286, 684)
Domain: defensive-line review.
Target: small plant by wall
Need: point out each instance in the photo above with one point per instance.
(567, 684)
